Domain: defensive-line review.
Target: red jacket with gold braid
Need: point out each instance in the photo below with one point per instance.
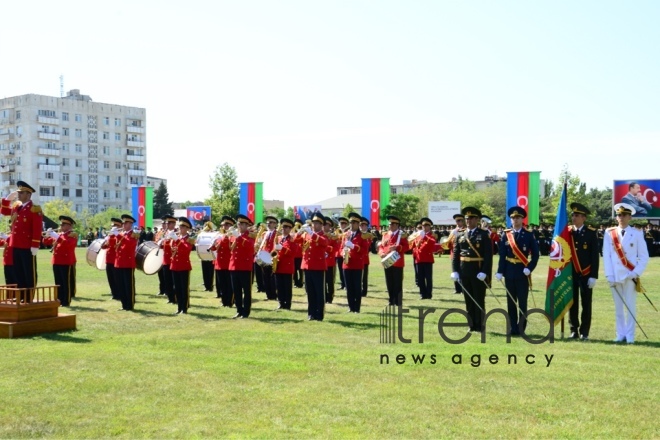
(181, 248)
(356, 255)
(423, 249)
(314, 248)
(111, 252)
(64, 248)
(223, 253)
(26, 224)
(126, 246)
(7, 254)
(242, 252)
(390, 240)
(286, 255)
(331, 253)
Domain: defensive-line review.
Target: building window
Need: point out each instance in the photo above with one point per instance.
(106, 151)
(106, 194)
(47, 113)
(78, 117)
(65, 192)
(118, 165)
(65, 147)
(78, 133)
(118, 179)
(65, 116)
(65, 177)
(18, 114)
(117, 136)
(78, 163)
(117, 122)
(106, 120)
(106, 179)
(106, 164)
(78, 148)
(118, 151)
(106, 135)
(50, 176)
(44, 191)
(79, 193)
(65, 131)
(117, 194)
(65, 162)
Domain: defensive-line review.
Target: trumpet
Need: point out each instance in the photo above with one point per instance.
(412, 237)
(444, 243)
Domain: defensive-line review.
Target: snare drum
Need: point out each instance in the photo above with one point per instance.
(264, 258)
(203, 243)
(96, 255)
(148, 258)
(390, 259)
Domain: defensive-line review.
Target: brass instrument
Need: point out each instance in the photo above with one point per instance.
(414, 236)
(444, 242)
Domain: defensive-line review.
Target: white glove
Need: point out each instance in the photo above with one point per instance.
(481, 276)
(631, 275)
(349, 244)
(34, 251)
(54, 235)
(591, 283)
(114, 231)
(12, 196)
(278, 247)
(3, 235)
(171, 235)
(526, 272)
(235, 233)
(454, 276)
(498, 276)
(308, 229)
(422, 234)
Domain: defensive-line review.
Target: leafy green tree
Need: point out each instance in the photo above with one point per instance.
(162, 205)
(404, 206)
(224, 192)
(275, 212)
(55, 208)
(347, 210)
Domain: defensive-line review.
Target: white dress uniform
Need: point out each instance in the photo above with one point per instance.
(621, 278)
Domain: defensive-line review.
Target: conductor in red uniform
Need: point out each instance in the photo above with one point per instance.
(240, 266)
(26, 227)
(127, 241)
(180, 265)
(64, 258)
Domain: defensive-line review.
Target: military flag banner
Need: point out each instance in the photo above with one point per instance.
(375, 196)
(559, 288)
(523, 189)
(251, 201)
(143, 206)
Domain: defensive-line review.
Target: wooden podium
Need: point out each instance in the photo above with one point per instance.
(31, 311)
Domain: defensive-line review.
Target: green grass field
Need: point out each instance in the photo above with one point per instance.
(151, 374)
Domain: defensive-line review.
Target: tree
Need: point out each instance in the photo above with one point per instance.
(404, 206)
(55, 208)
(224, 193)
(347, 210)
(162, 205)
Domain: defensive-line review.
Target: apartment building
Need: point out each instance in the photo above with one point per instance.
(74, 149)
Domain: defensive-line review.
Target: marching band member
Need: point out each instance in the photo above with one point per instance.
(423, 248)
(256, 269)
(221, 262)
(353, 248)
(7, 259)
(625, 257)
(110, 256)
(127, 241)
(472, 264)
(64, 258)
(26, 225)
(180, 265)
(240, 266)
(334, 244)
(519, 254)
(366, 235)
(297, 260)
(314, 266)
(394, 240)
(459, 219)
(207, 265)
(343, 225)
(164, 239)
(268, 245)
(418, 227)
(283, 266)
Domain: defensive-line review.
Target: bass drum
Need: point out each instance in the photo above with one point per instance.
(148, 258)
(203, 243)
(96, 255)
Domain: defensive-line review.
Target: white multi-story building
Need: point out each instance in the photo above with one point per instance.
(73, 149)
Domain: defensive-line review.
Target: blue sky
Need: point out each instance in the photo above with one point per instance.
(308, 95)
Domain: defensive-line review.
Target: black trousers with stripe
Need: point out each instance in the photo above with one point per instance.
(181, 280)
(65, 278)
(126, 287)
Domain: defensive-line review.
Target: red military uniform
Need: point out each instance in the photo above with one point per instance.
(8, 261)
(390, 239)
(64, 260)
(180, 267)
(64, 248)
(221, 247)
(240, 268)
(26, 224)
(242, 252)
(315, 246)
(223, 253)
(314, 266)
(126, 247)
(286, 255)
(423, 249)
(110, 244)
(355, 258)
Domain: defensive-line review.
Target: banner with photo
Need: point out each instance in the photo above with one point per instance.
(640, 194)
(198, 215)
(305, 212)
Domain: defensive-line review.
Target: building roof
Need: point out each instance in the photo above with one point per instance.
(338, 203)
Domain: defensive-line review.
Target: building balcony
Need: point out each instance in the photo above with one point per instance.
(137, 173)
(7, 168)
(6, 137)
(44, 199)
(135, 158)
(6, 121)
(47, 120)
(135, 143)
(5, 183)
(49, 136)
(48, 167)
(49, 182)
(49, 152)
(133, 129)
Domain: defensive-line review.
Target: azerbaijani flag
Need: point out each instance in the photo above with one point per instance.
(375, 195)
(523, 189)
(251, 201)
(559, 290)
(143, 206)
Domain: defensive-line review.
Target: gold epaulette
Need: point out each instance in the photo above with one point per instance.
(367, 235)
(191, 240)
(404, 236)
(36, 209)
(253, 235)
(74, 235)
(136, 235)
(591, 228)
